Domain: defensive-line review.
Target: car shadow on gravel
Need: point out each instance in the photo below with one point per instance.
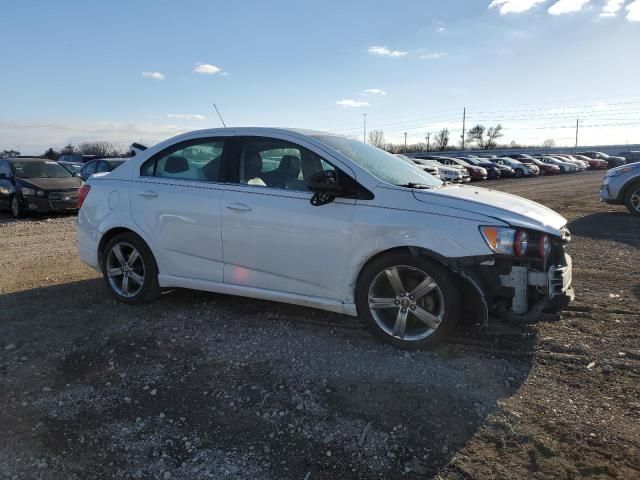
(614, 226)
(6, 218)
(239, 388)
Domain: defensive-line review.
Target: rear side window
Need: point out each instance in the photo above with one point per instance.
(193, 160)
(102, 167)
(90, 167)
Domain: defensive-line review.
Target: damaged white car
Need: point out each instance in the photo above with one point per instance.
(321, 220)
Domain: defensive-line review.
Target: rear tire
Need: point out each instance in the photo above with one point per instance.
(632, 199)
(129, 269)
(519, 173)
(408, 301)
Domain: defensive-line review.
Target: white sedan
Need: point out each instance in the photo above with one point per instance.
(321, 220)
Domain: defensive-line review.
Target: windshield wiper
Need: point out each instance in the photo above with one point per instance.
(415, 185)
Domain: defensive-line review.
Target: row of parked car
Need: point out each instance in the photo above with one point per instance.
(466, 167)
(40, 185)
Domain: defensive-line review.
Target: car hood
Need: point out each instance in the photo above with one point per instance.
(49, 184)
(514, 210)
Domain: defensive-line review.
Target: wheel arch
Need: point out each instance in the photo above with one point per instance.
(472, 291)
(626, 189)
(114, 231)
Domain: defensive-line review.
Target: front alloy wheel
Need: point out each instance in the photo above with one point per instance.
(410, 302)
(16, 208)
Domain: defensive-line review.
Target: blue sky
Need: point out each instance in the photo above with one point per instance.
(144, 70)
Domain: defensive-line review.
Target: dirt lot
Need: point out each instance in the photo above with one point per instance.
(198, 385)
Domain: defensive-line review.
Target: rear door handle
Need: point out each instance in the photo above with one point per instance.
(239, 207)
(148, 194)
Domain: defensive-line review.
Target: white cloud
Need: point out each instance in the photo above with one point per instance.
(633, 11)
(348, 102)
(153, 75)
(386, 52)
(441, 29)
(373, 91)
(567, 6)
(206, 68)
(432, 56)
(611, 8)
(514, 6)
(183, 116)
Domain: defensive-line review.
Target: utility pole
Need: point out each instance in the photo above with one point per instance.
(428, 138)
(464, 120)
(364, 127)
(405, 141)
(577, 127)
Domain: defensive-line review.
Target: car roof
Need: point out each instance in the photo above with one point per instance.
(27, 159)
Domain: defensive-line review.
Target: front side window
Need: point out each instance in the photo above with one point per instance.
(191, 161)
(377, 162)
(268, 162)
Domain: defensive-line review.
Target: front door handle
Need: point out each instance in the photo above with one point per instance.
(239, 207)
(148, 194)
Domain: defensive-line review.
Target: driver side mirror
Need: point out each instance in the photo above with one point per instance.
(325, 187)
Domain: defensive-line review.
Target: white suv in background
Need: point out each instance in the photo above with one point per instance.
(324, 221)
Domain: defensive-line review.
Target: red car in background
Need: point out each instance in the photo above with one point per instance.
(546, 168)
(594, 163)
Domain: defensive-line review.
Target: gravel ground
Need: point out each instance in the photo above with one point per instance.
(198, 385)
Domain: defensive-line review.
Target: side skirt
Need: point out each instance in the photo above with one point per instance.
(328, 304)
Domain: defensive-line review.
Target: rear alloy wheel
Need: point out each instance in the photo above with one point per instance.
(409, 302)
(16, 208)
(129, 269)
(519, 173)
(633, 200)
(542, 172)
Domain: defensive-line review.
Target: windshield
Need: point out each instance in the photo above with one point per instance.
(37, 169)
(383, 165)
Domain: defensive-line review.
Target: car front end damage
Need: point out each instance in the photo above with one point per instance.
(519, 287)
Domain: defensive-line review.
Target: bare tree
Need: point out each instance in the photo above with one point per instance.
(549, 143)
(492, 135)
(51, 154)
(441, 139)
(476, 135)
(9, 153)
(376, 138)
(101, 149)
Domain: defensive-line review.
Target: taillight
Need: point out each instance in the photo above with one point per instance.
(544, 246)
(520, 243)
(83, 191)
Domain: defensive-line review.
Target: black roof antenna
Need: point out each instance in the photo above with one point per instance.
(220, 116)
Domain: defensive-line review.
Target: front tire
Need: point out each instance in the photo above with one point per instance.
(16, 207)
(519, 173)
(129, 269)
(408, 301)
(632, 199)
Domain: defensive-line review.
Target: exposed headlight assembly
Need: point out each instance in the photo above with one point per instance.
(512, 241)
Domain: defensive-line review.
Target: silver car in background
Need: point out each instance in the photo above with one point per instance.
(621, 186)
